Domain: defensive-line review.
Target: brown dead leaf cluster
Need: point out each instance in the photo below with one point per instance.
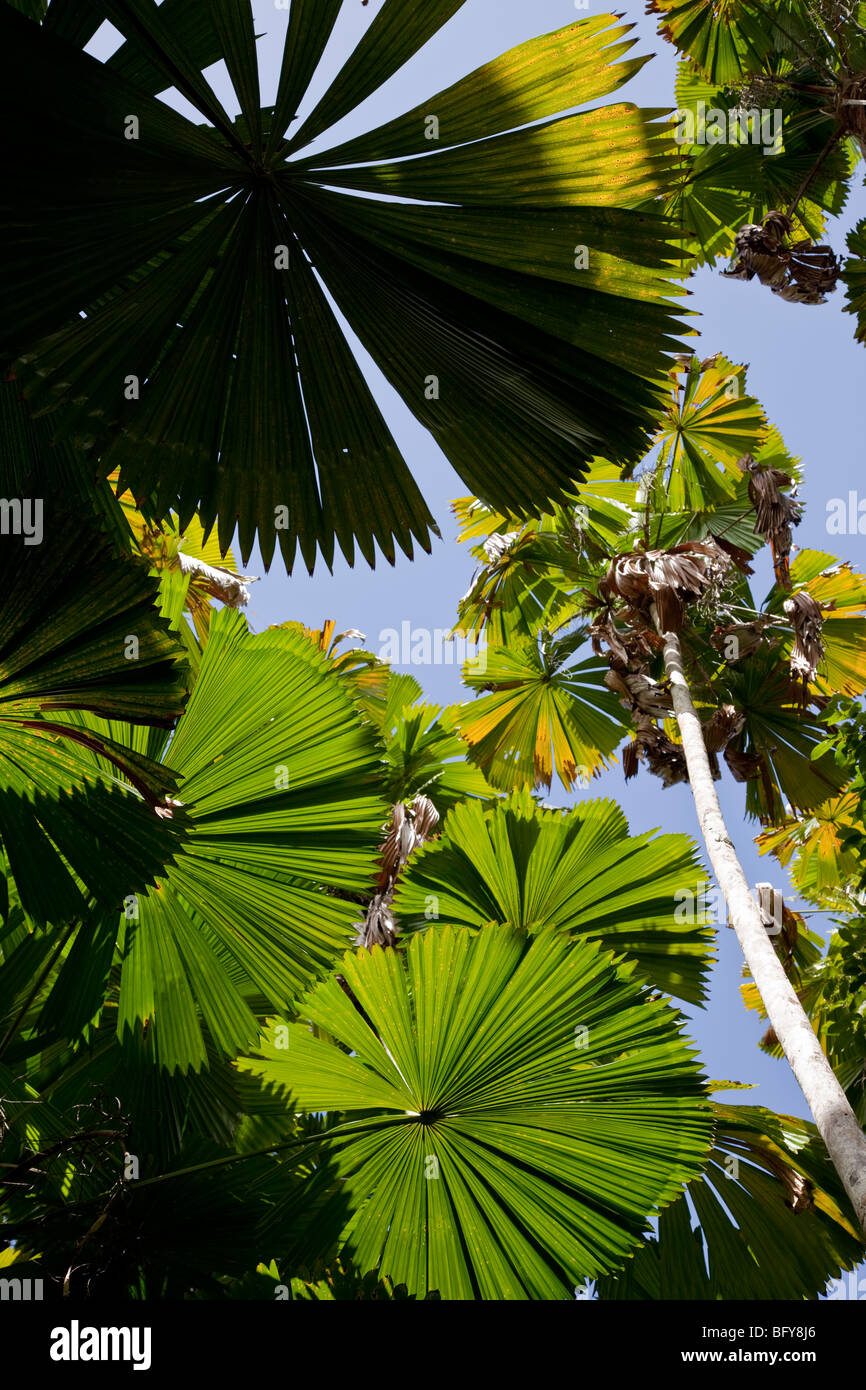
(410, 827)
(799, 272)
(776, 511)
(667, 580)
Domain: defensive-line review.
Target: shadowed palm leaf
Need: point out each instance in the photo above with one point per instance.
(224, 242)
(80, 630)
(773, 1220)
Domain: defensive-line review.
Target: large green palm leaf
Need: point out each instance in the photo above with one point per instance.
(578, 872)
(177, 232)
(739, 180)
(527, 1106)
(841, 592)
(820, 851)
(523, 581)
(279, 777)
(731, 40)
(727, 39)
(710, 422)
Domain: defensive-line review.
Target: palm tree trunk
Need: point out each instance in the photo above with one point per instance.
(836, 1121)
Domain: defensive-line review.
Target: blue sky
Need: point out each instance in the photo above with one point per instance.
(804, 366)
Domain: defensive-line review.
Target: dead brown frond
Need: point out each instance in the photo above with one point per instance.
(668, 579)
(743, 766)
(664, 758)
(806, 617)
(740, 557)
(775, 511)
(799, 272)
(799, 1191)
(850, 109)
(724, 724)
(410, 827)
(737, 640)
(640, 693)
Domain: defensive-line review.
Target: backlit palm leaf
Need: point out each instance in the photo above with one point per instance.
(279, 778)
(842, 669)
(544, 712)
(521, 586)
(728, 39)
(210, 575)
(507, 1153)
(578, 872)
(814, 850)
(710, 423)
(760, 164)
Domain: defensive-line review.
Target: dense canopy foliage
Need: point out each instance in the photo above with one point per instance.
(306, 988)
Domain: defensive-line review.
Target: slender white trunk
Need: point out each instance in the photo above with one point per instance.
(836, 1121)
